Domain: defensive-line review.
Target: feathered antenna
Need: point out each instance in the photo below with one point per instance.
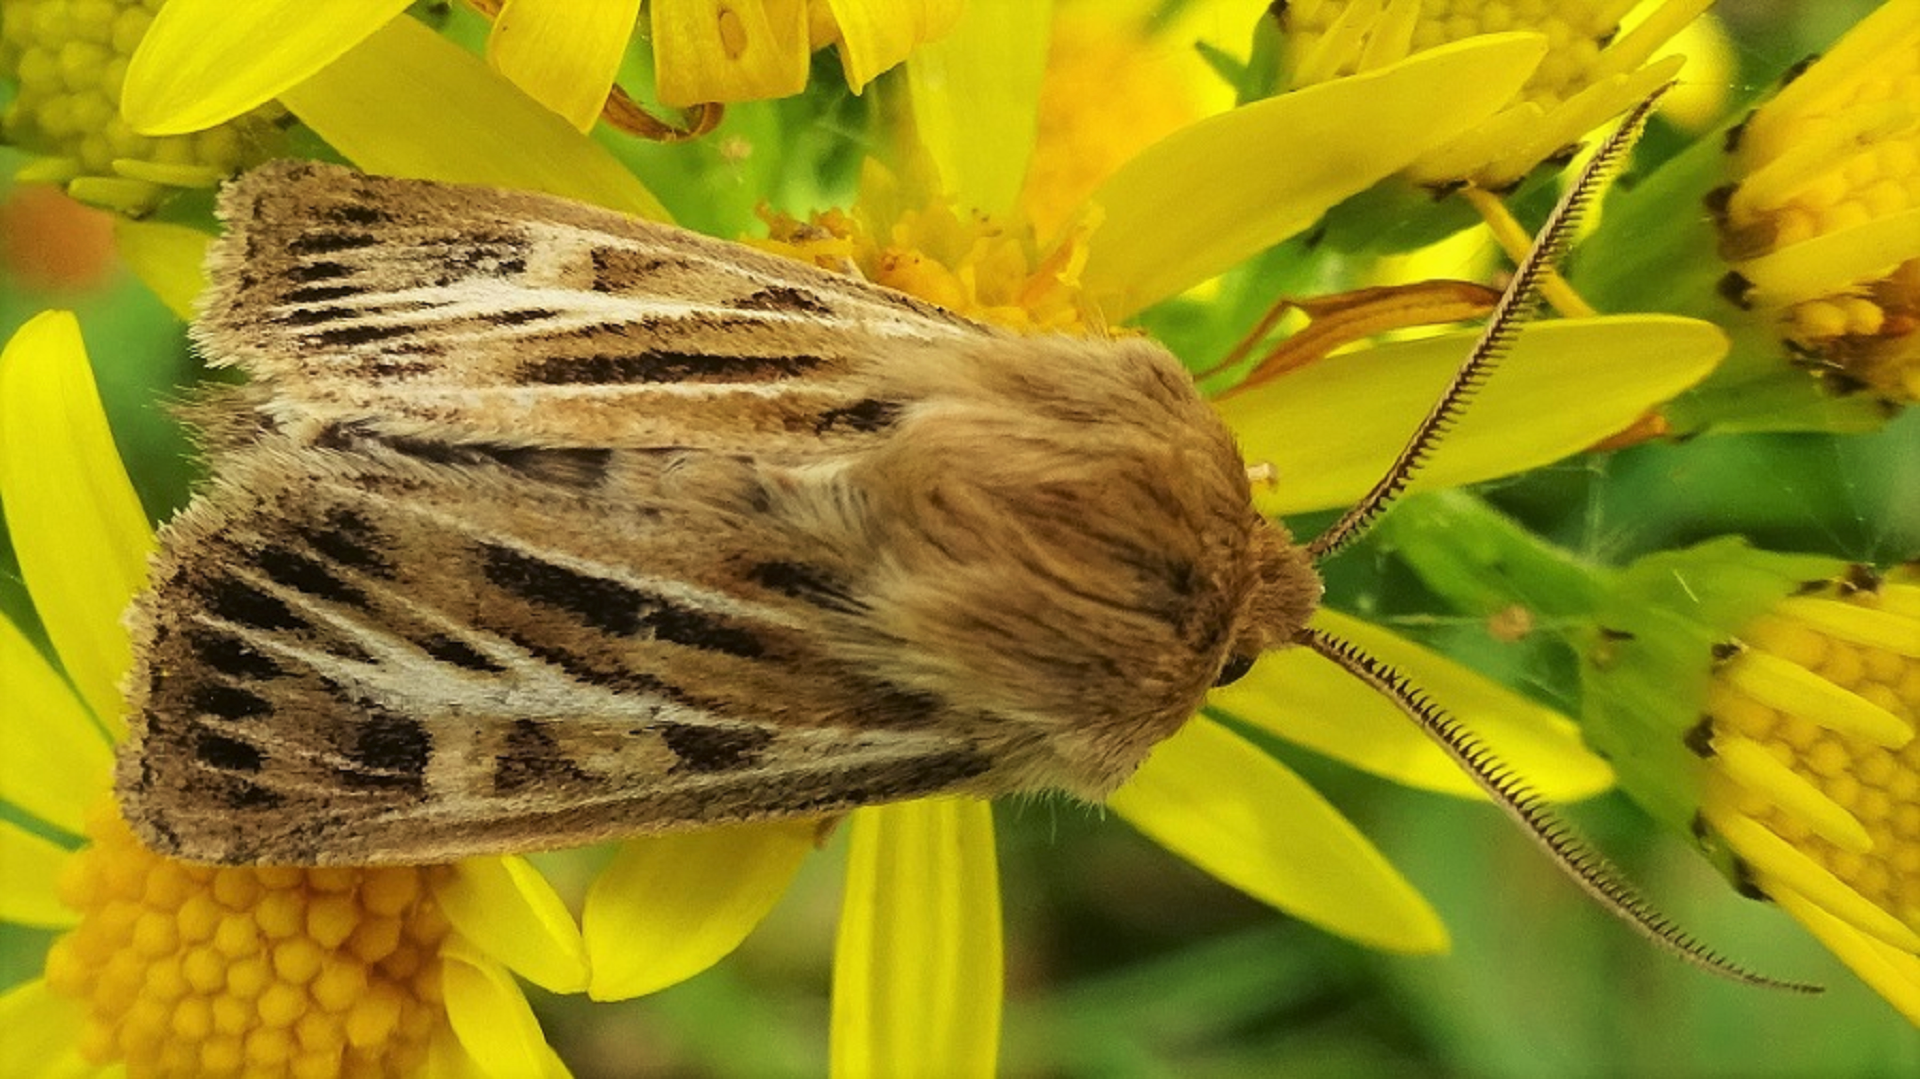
(1572, 853)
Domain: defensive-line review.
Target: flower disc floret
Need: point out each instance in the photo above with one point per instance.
(194, 970)
(69, 60)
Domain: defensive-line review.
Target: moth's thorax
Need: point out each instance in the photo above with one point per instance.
(1073, 547)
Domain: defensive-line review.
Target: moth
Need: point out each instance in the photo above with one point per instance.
(536, 525)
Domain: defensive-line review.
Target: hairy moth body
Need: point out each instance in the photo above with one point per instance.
(537, 524)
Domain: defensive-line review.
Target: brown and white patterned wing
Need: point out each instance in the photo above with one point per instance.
(351, 663)
(405, 305)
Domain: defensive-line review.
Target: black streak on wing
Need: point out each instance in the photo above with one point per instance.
(351, 336)
(349, 539)
(782, 298)
(570, 466)
(231, 656)
(713, 749)
(227, 754)
(228, 702)
(809, 584)
(620, 271)
(459, 653)
(863, 416)
(531, 758)
(299, 572)
(237, 601)
(390, 753)
(655, 366)
(612, 606)
(328, 241)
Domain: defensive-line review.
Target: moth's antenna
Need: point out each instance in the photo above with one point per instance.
(1514, 308)
(1572, 853)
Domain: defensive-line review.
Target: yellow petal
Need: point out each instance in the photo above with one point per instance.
(671, 906)
(510, 912)
(408, 102)
(709, 51)
(54, 762)
(877, 34)
(1330, 429)
(916, 971)
(1779, 865)
(564, 55)
(42, 1033)
(491, 1017)
(1892, 973)
(975, 93)
(1832, 262)
(1216, 800)
(169, 259)
(1307, 699)
(31, 868)
(1217, 191)
(204, 62)
(77, 527)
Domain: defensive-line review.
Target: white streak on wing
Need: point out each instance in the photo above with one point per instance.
(483, 298)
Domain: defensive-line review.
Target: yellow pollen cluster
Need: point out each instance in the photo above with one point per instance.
(190, 970)
(1592, 70)
(69, 59)
(971, 265)
(1833, 163)
(1813, 742)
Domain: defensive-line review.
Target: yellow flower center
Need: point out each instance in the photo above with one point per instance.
(973, 265)
(1824, 167)
(1812, 737)
(197, 970)
(69, 59)
(1110, 91)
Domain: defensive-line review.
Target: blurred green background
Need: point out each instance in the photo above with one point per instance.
(1123, 960)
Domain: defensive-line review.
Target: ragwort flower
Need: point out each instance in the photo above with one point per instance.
(1821, 225)
(1768, 704)
(170, 968)
(1798, 232)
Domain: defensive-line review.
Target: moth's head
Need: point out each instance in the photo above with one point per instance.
(1282, 591)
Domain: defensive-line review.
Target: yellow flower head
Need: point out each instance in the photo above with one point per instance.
(189, 969)
(1814, 772)
(1821, 225)
(70, 59)
(1768, 704)
(1593, 69)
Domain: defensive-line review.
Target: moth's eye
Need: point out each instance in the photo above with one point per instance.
(1234, 669)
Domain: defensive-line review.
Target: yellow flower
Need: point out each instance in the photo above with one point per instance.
(69, 59)
(1793, 684)
(1821, 224)
(1594, 70)
(207, 61)
(168, 968)
(917, 971)
(1814, 778)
